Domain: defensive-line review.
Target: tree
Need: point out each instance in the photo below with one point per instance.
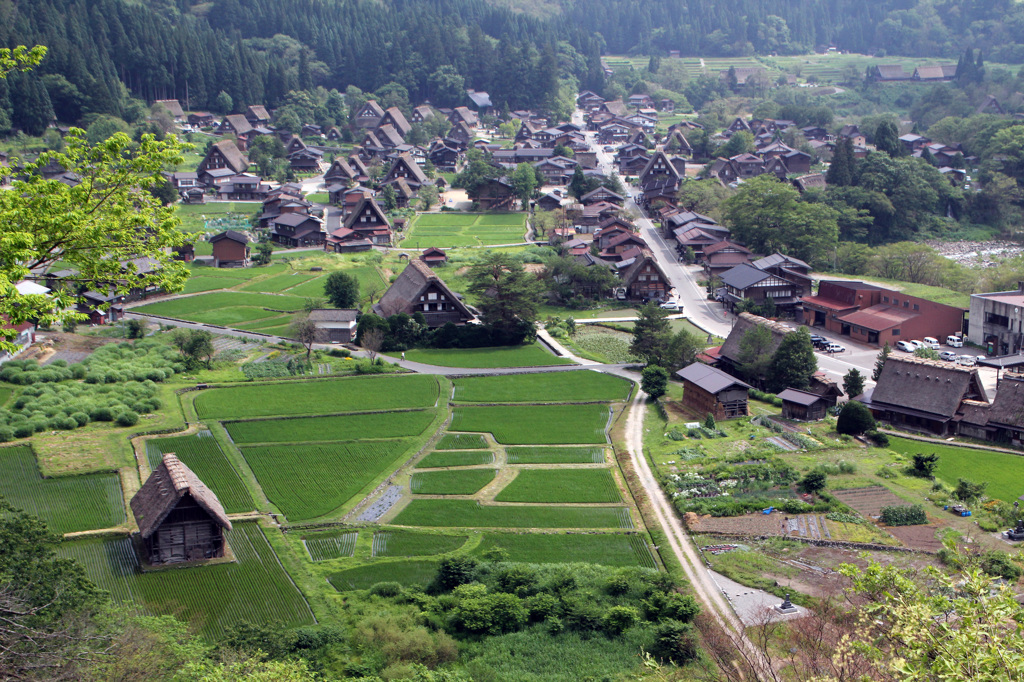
(855, 419)
(96, 234)
(926, 353)
(304, 331)
(447, 87)
(925, 465)
(194, 345)
(372, 341)
(342, 289)
(968, 491)
(264, 253)
(793, 363)
(429, 195)
(840, 171)
(578, 184)
(524, 181)
(755, 353)
(740, 142)
(853, 383)
(814, 481)
(135, 329)
(652, 335)
(508, 296)
(887, 139)
(105, 127)
(883, 355)
(654, 381)
(223, 103)
(389, 202)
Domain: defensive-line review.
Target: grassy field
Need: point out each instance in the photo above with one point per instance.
(330, 545)
(255, 588)
(307, 481)
(67, 504)
(455, 458)
(583, 385)
(313, 397)
(405, 572)
(464, 482)
(1002, 472)
(391, 543)
(336, 428)
(5, 393)
(203, 455)
(549, 548)
(445, 230)
(461, 441)
(225, 308)
(194, 217)
(535, 424)
(555, 455)
(532, 355)
(470, 514)
(570, 486)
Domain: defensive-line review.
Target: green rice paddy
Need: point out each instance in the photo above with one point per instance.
(334, 428)
(461, 441)
(404, 572)
(330, 545)
(574, 486)
(568, 455)
(455, 458)
(609, 549)
(202, 454)
(535, 424)
(445, 230)
(458, 482)
(582, 385)
(471, 514)
(532, 355)
(1001, 471)
(400, 543)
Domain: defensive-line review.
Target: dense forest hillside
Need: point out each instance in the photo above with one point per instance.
(103, 52)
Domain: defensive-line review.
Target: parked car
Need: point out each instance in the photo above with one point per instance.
(917, 344)
(672, 305)
(905, 346)
(931, 342)
(966, 361)
(948, 356)
(818, 341)
(954, 341)
(833, 347)
(609, 148)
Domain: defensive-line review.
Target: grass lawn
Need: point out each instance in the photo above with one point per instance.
(254, 588)
(535, 424)
(455, 458)
(1003, 473)
(571, 486)
(307, 481)
(199, 283)
(550, 548)
(203, 455)
(335, 428)
(194, 217)
(225, 307)
(5, 393)
(583, 385)
(411, 543)
(555, 455)
(465, 229)
(68, 503)
(279, 283)
(457, 482)
(313, 397)
(363, 577)
(461, 441)
(470, 514)
(532, 355)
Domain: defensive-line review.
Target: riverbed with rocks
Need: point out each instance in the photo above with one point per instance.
(979, 254)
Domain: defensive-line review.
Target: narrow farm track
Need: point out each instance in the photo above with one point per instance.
(679, 540)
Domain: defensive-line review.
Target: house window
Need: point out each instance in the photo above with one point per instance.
(432, 296)
(906, 304)
(885, 299)
(895, 301)
(917, 307)
(895, 332)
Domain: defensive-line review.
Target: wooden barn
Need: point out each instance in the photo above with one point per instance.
(803, 405)
(707, 390)
(179, 518)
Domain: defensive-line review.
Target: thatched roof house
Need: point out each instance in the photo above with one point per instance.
(419, 290)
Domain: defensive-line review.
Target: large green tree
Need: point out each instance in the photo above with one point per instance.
(793, 362)
(652, 335)
(755, 353)
(887, 139)
(524, 181)
(507, 295)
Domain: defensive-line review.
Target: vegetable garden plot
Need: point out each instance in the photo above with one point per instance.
(461, 441)
(318, 397)
(526, 455)
(576, 486)
(410, 543)
(68, 504)
(582, 385)
(255, 588)
(202, 454)
(546, 548)
(535, 424)
(455, 458)
(458, 482)
(404, 572)
(471, 514)
(330, 545)
(335, 428)
(307, 481)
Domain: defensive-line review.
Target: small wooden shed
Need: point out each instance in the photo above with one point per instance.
(179, 518)
(707, 390)
(803, 405)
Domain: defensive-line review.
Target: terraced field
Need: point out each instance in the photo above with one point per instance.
(330, 545)
(616, 549)
(404, 572)
(525, 455)
(582, 385)
(571, 486)
(445, 230)
(535, 424)
(464, 482)
(400, 543)
(69, 503)
(461, 441)
(255, 588)
(470, 514)
(334, 428)
(455, 458)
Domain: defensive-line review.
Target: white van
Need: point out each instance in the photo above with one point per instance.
(954, 341)
(931, 342)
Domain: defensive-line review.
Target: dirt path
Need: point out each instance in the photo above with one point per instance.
(704, 586)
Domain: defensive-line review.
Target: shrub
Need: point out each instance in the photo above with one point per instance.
(386, 589)
(988, 525)
(886, 472)
(617, 585)
(904, 515)
(1000, 564)
(102, 414)
(128, 418)
(454, 571)
(878, 438)
(814, 481)
(81, 418)
(676, 642)
(23, 430)
(544, 607)
(620, 618)
(855, 418)
(6, 434)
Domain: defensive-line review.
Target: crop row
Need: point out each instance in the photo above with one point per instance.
(581, 385)
(455, 458)
(535, 424)
(324, 546)
(333, 428)
(389, 543)
(454, 482)
(437, 513)
(527, 455)
(461, 441)
(609, 549)
(570, 486)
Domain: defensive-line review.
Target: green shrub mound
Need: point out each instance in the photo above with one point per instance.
(72, 405)
(141, 361)
(904, 515)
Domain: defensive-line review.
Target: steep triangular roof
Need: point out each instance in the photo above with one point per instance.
(929, 386)
(168, 484)
(395, 117)
(659, 164)
(232, 154)
(407, 288)
(406, 167)
(366, 204)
